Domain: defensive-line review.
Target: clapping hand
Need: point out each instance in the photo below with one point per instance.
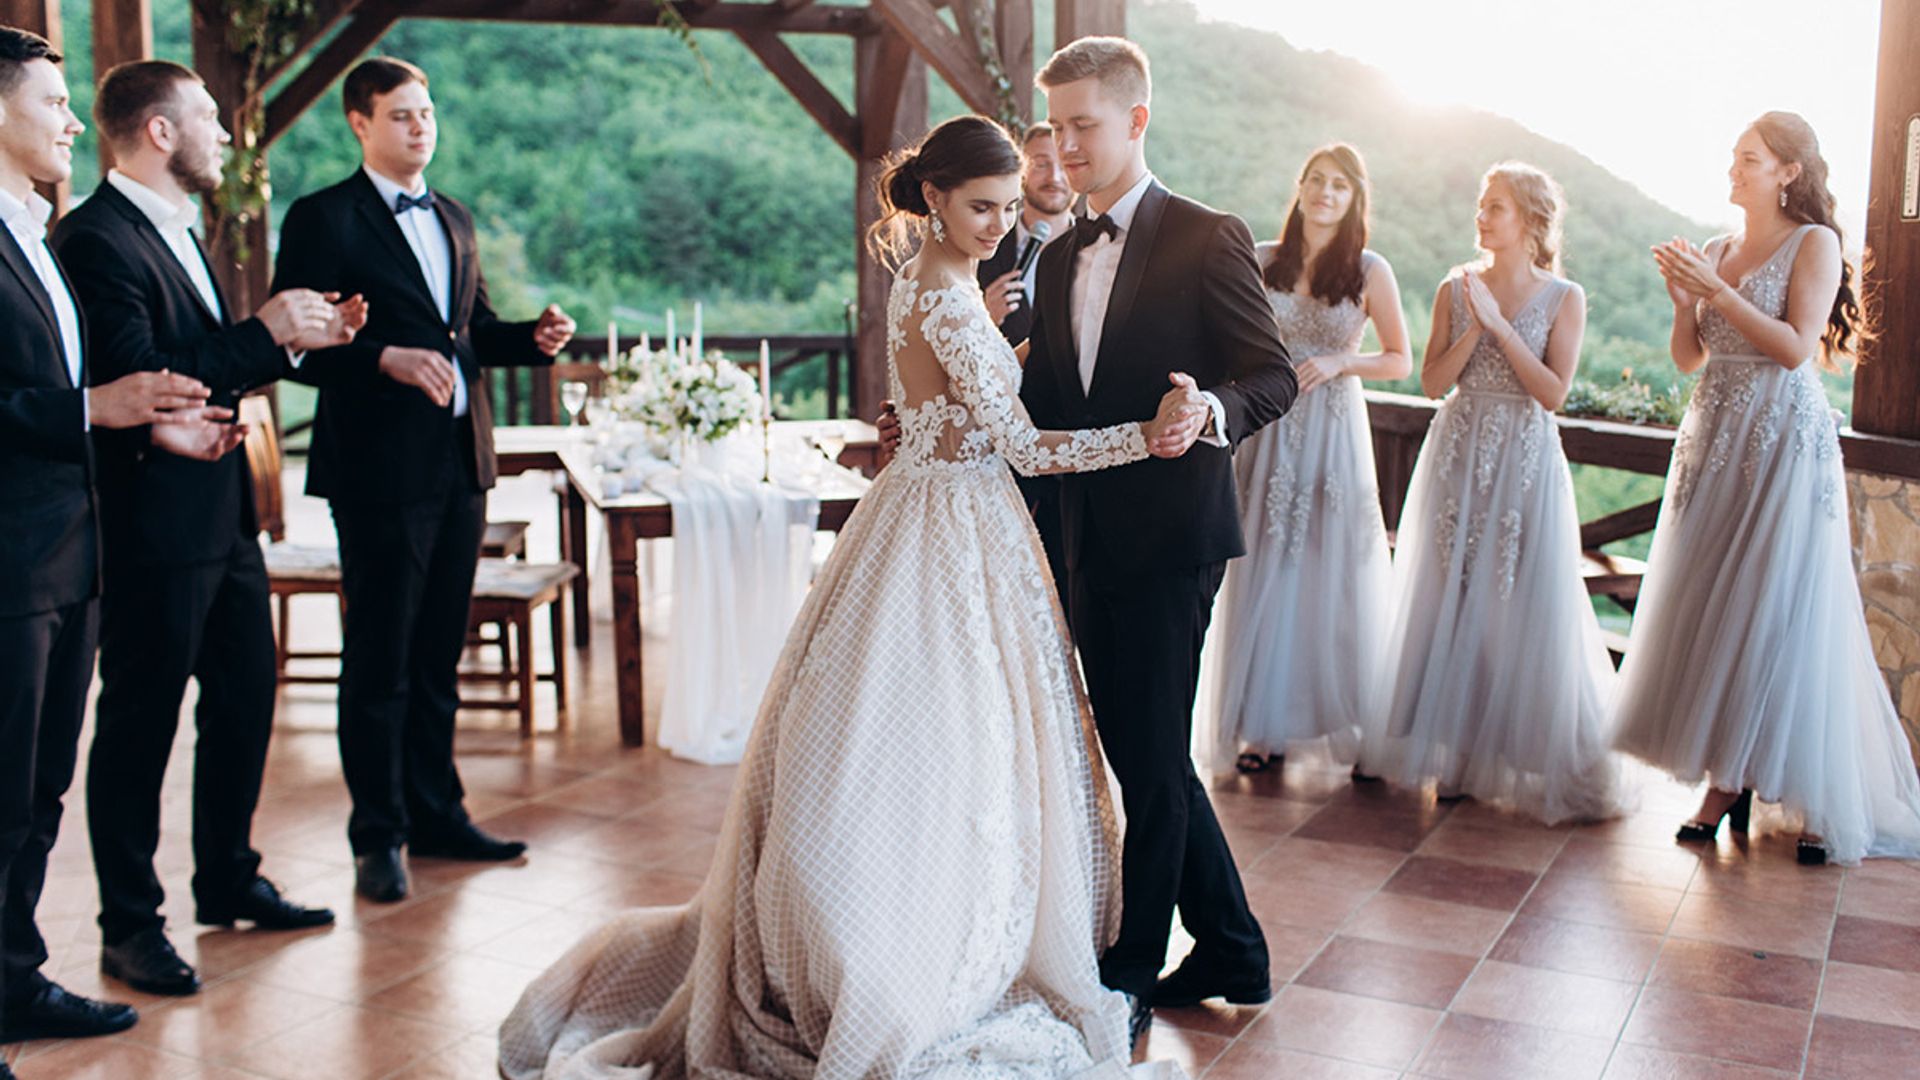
(1183, 415)
(335, 322)
(202, 434)
(1689, 275)
(1482, 306)
(144, 397)
(553, 330)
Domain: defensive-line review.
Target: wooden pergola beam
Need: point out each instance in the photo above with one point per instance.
(1073, 19)
(949, 53)
(806, 19)
(330, 63)
(805, 87)
(1886, 388)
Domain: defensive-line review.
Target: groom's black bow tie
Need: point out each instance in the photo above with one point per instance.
(1090, 229)
(404, 202)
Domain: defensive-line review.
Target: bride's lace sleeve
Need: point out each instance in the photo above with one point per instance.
(979, 364)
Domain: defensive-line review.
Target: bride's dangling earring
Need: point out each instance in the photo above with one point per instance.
(1783, 198)
(940, 230)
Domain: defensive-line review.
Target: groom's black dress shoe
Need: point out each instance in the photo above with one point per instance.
(262, 905)
(1139, 1017)
(380, 876)
(5, 1073)
(464, 841)
(1194, 981)
(52, 1013)
(146, 961)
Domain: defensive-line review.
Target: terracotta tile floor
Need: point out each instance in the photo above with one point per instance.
(1408, 939)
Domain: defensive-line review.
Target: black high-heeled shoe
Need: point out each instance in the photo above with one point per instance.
(1809, 852)
(1738, 814)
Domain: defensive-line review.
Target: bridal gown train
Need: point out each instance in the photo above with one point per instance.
(918, 866)
(1750, 663)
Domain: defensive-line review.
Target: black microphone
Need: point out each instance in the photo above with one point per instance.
(1036, 239)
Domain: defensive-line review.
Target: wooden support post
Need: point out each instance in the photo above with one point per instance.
(1088, 18)
(890, 86)
(226, 74)
(1013, 33)
(1886, 389)
(41, 17)
(122, 33)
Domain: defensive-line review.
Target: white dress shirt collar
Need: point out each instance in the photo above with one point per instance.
(390, 190)
(166, 215)
(25, 217)
(1123, 211)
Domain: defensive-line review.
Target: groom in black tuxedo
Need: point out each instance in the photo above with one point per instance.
(1149, 286)
(186, 593)
(403, 452)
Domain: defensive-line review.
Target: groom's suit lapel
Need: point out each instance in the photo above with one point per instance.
(1059, 323)
(1126, 282)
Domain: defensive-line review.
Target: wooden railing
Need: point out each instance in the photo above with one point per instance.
(528, 395)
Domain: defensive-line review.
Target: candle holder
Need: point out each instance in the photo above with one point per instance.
(766, 449)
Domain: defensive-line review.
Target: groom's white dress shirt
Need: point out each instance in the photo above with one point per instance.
(1099, 263)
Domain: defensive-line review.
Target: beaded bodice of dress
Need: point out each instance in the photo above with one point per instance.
(974, 420)
(1487, 369)
(1312, 327)
(1765, 287)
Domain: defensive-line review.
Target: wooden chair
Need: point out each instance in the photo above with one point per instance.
(506, 590)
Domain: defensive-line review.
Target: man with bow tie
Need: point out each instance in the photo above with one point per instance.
(403, 453)
(186, 593)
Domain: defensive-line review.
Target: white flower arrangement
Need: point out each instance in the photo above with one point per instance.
(706, 398)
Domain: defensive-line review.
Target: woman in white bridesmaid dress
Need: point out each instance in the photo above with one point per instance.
(1304, 614)
(1499, 679)
(1750, 663)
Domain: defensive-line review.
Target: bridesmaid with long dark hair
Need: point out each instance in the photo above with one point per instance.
(1304, 614)
(1750, 663)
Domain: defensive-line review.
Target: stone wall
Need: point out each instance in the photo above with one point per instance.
(1886, 551)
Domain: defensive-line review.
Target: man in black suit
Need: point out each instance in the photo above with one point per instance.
(403, 451)
(186, 593)
(49, 554)
(1151, 286)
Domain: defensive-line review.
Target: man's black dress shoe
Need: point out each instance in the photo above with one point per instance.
(5, 1073)
(52, 1013)
(464, 841)
(1139, 1017)
(262, 905)
(146, 961)
(1194, 981)
(380, 876)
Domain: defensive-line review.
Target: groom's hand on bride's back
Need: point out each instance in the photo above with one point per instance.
(888, 424)
(1182, 417)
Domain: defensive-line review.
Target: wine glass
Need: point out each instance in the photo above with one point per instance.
(573, 398)
(831, 440)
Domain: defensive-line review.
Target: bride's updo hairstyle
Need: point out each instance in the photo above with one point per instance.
(1541, 204)
(1790, 138)
(961, 149)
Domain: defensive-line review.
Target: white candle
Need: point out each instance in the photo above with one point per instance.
(766, 381)
(613, 344)
(698, 338)
(646, 343)
(670, 338)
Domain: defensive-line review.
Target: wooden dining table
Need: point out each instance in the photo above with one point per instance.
(646, 515)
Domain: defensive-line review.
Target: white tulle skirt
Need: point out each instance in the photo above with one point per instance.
(918, 865)
(1295, 650)
(1750, 663)
(1499, 680)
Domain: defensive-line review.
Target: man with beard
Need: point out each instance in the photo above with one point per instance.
(1044, 196)
(185, 592)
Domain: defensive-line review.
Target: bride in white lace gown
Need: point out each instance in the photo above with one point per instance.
(1750, 663)
(1499, 679)
(918, 865)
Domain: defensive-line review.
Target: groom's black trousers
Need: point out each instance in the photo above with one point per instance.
(1139, 636)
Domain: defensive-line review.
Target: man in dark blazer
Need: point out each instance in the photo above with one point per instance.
(186, 593)
(1152, 288)
(49, 551)
(403, 451)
